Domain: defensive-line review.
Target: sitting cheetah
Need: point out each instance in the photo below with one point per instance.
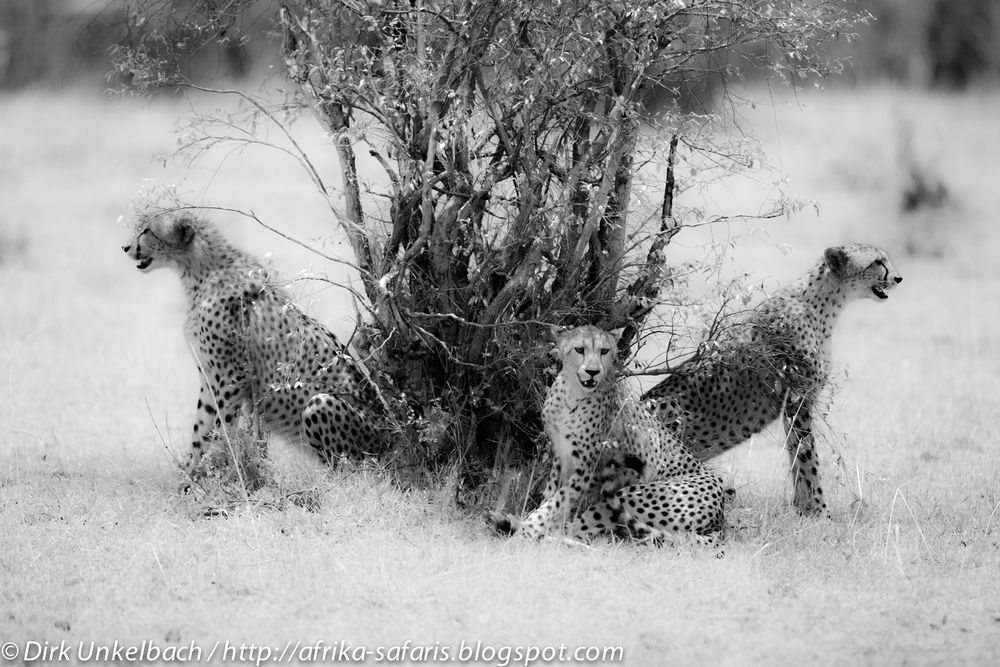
(585, 408)
(775, 363)
(256, 349)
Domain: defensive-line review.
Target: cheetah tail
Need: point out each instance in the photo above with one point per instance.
(612, 482)
(503, 523)
(619, 471)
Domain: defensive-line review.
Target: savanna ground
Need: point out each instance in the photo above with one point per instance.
(97, 544)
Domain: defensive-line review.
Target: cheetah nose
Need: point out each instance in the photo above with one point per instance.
(592, 372)
(898, 279)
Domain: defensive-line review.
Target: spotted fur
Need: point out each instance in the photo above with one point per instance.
(593, 425)
(773, 365)
(661, 510)
(255, 349)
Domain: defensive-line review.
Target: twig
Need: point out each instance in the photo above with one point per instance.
(644, 292)
(253, 216)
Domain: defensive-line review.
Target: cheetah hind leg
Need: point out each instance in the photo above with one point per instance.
(610, 518)
(665, 511)
(336, 428)
(596, 521)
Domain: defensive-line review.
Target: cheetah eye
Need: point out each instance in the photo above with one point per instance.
(605, 350)
(579, 350)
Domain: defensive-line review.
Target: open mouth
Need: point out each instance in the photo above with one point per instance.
(879, 292)
(144, 263)
(588, 384)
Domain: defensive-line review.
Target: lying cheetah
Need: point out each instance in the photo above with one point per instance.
(669, 491)
(773, 364)
(254, 348)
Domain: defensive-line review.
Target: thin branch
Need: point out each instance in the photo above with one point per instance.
(292, 239)
(302, 156)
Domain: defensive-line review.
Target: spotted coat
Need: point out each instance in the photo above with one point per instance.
(255, 349)
(774, 364)
(602, 440)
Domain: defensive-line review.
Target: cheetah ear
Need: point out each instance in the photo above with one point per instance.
(555, 331)
(837, 259)
(617, 333)
(185, 231)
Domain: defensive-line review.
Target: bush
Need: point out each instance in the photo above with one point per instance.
(510, 138)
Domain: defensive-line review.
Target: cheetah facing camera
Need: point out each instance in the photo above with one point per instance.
(601, 438)
(254, 348)
(774, 364)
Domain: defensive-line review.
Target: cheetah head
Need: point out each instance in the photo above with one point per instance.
(160, 240)
(864, 270)
(587, 354)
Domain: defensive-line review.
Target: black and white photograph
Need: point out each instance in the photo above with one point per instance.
(500, 332)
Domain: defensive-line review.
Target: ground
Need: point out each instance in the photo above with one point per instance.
(97, 544)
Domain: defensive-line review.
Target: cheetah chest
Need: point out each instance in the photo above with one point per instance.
(576, 426)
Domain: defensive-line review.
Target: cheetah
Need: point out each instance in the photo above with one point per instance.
(255, 349)
(651, 484)
(773, 364)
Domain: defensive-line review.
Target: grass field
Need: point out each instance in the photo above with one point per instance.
(97, 545)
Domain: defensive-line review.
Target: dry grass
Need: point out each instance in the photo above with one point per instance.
(98, 545)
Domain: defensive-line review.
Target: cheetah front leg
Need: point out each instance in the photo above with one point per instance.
(555, 507)
(555, 474)
(509, 524)
(217, 406)
(801, 446)
(559, 499)
(569, 481)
